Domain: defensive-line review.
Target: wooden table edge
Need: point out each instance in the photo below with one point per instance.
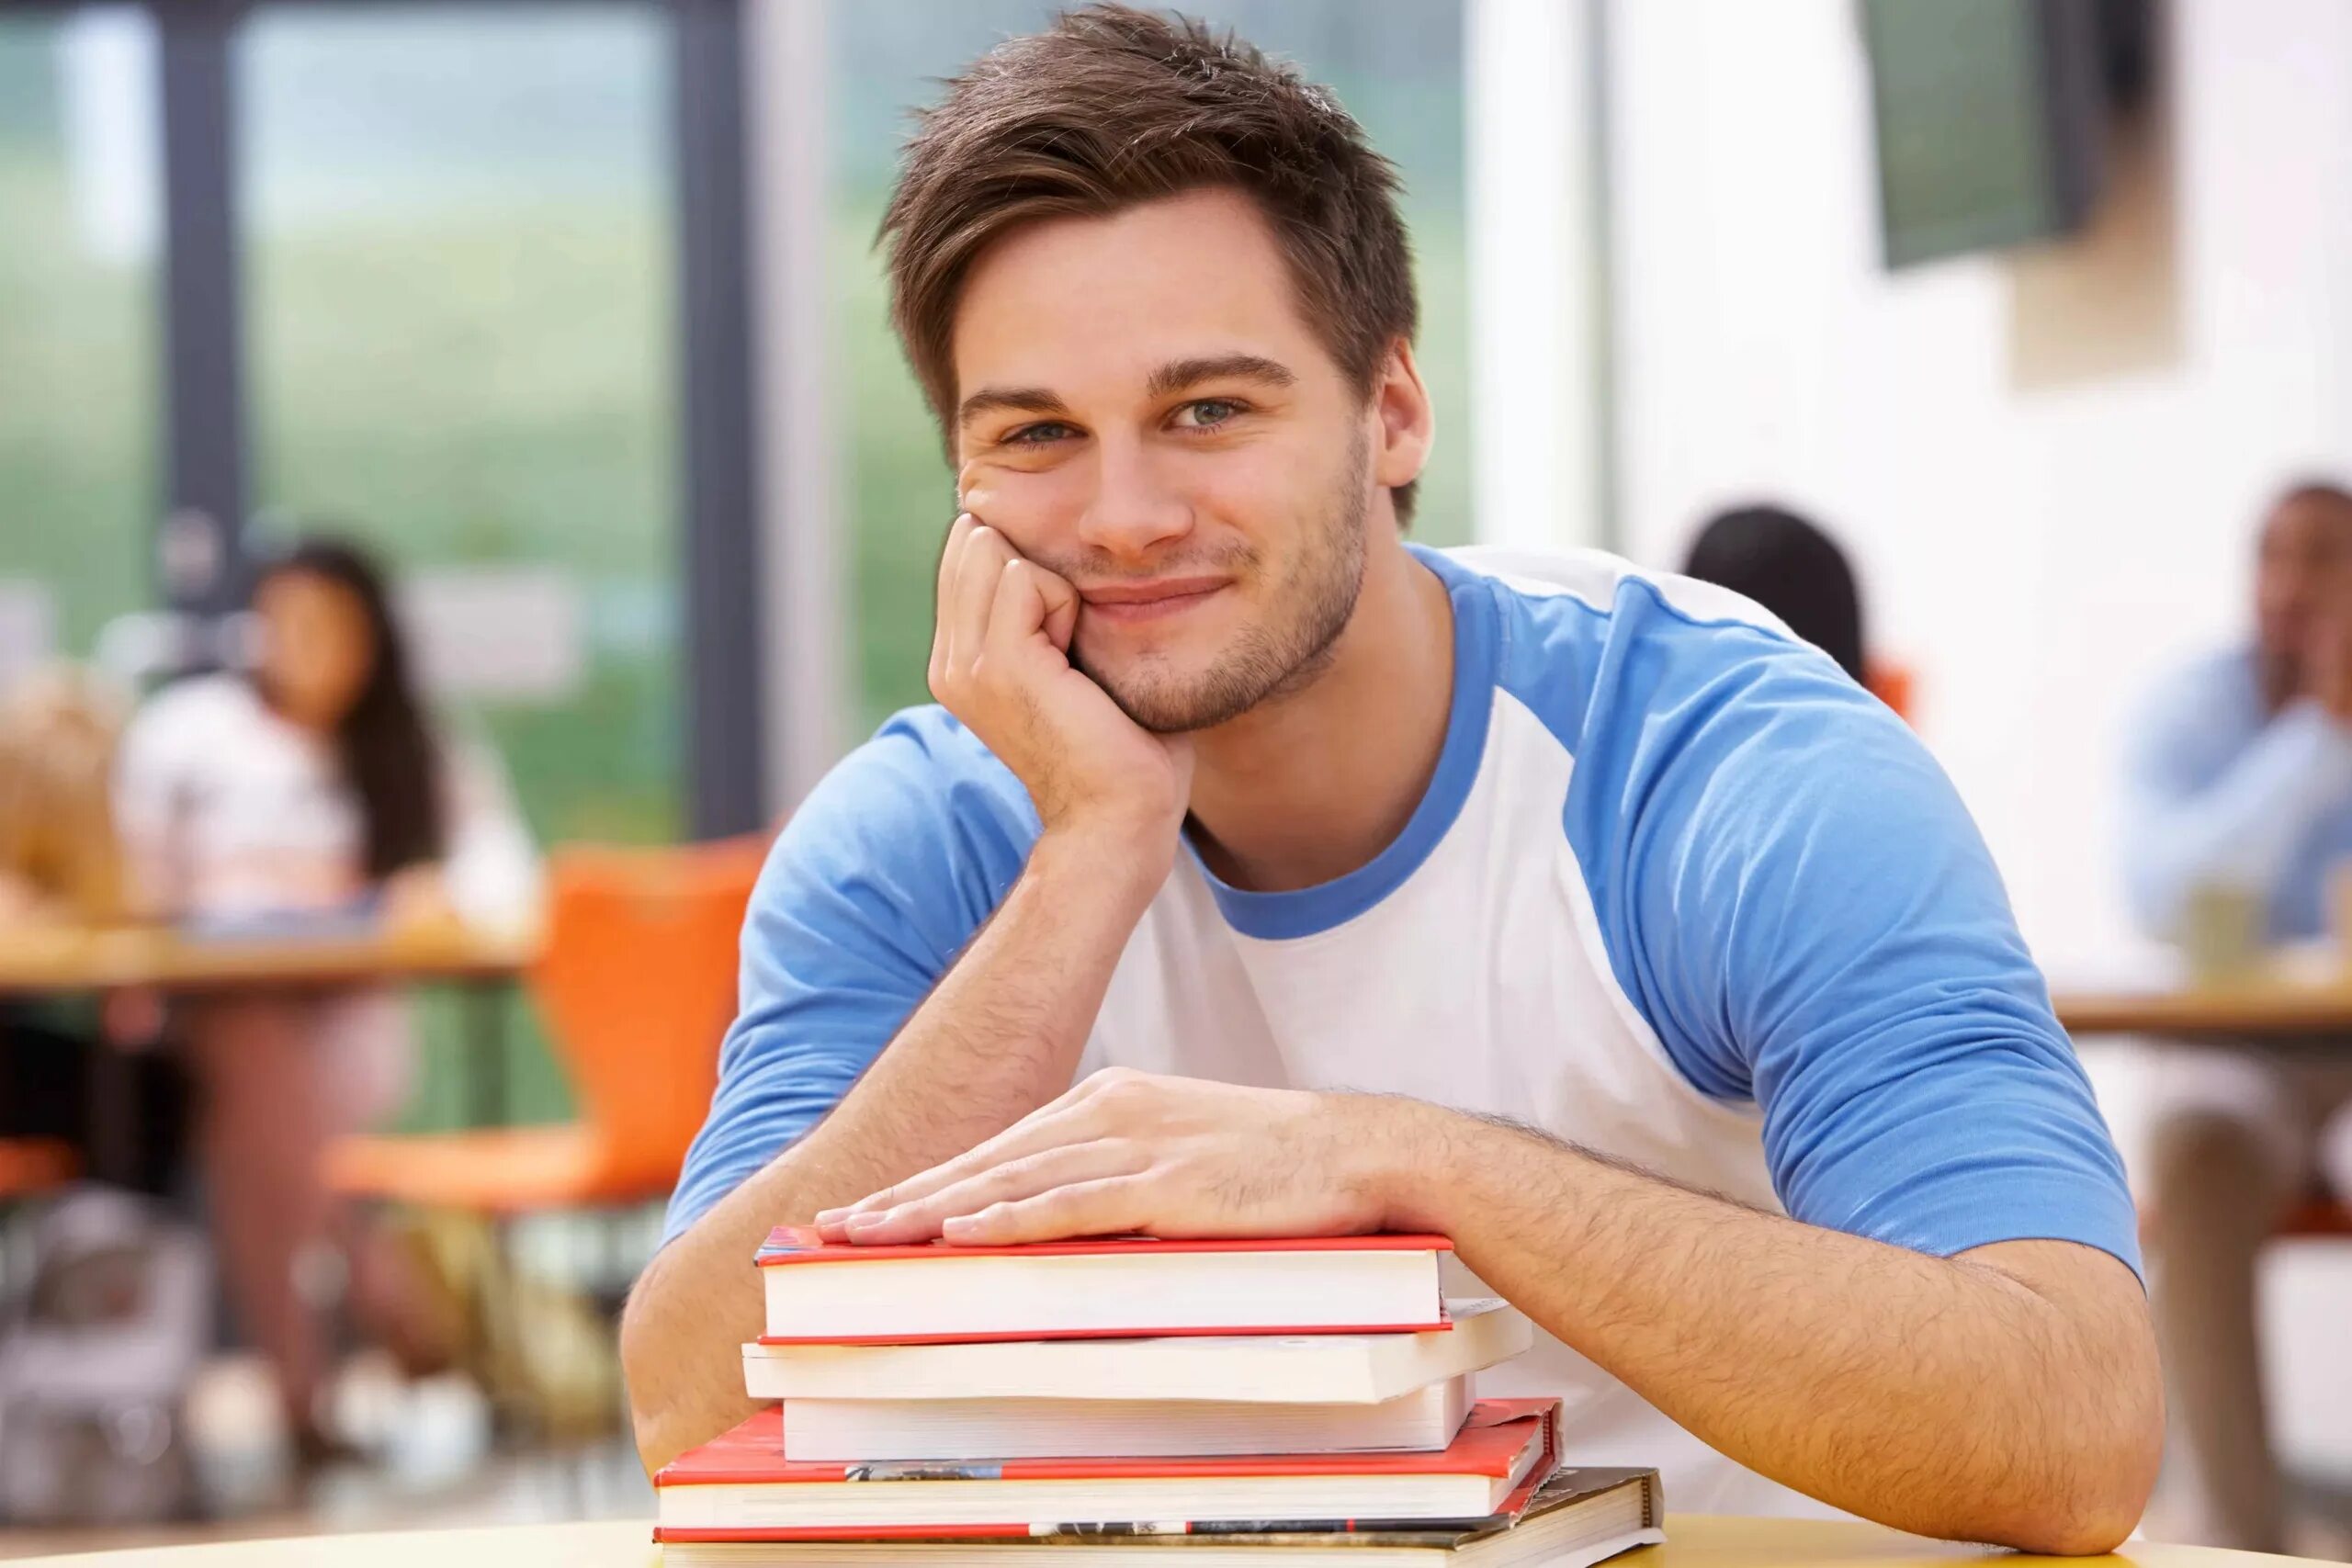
(1694, 1541)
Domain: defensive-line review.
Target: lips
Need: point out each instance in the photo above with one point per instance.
(1132, 604)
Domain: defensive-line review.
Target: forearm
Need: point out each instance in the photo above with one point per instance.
(1951, 1397)
(1000, 1035)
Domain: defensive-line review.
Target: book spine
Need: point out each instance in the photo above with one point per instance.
(924, 1470)
(1100, 1528)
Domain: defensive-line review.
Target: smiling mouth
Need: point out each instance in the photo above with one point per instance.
(1135, 603)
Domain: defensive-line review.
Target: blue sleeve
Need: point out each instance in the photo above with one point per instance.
(873, 888)
(2203, 806)
(1795, 897)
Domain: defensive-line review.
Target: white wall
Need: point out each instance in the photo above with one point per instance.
(1535, 321)
(2037, 557)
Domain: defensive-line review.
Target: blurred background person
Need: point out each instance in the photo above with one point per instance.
(311, 790)
(2239, 814)
(1792, 568)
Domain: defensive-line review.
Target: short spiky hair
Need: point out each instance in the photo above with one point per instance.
(1111, 106)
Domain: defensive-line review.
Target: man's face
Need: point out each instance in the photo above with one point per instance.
(1144, 412)
(2302, 574)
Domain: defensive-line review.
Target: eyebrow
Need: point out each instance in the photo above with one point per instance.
(1009, 400)
(1165, 381)
(1178, 374)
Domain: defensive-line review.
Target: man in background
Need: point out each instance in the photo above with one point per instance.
(2239, 815)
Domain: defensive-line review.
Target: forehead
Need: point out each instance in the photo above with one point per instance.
(305, 592)
(2309, 522)
(1070, 304)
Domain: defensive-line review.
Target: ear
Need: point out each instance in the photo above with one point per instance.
(1407, 425)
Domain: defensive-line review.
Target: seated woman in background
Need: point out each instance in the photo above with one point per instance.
(1793, 569)
(310, 789)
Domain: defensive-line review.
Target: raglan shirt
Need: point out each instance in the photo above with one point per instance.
(1678, 891)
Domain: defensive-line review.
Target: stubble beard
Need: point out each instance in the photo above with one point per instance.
(1271, 660)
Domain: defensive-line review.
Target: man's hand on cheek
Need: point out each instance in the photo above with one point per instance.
(1126, 1152)
(1000, 662)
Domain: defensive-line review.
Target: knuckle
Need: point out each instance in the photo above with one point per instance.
(1129, 1090)
(1020, 1172)
(1124, 1153)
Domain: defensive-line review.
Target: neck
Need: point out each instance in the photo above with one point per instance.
(2281, 680)
(1313, 784)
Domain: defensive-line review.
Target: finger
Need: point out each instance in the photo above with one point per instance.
(1110, 1206)
(1049, 1127)
(1018, 613)
(1009, 1143)
(1061, 608)
(950, 555)
(973, 596)
(1025, 1177)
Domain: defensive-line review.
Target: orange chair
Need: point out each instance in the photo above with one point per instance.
(29, 1166)
(635, 986)
(2318, 1214)
(1894, 685)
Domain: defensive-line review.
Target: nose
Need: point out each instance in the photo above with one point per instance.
(1133, 513)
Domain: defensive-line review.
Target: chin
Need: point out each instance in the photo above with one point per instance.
(1164, 701)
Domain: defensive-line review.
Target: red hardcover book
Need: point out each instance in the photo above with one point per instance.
(738, 1487)
(1131, 1286)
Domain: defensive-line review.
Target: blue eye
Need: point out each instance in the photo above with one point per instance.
(1038, 435)
(1207, 413)
(1210, 413)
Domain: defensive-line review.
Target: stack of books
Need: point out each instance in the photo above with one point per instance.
(1078, 1402)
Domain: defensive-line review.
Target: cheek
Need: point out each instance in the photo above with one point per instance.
(357, 664)
(1266, 493)
(289, 653)
(1034, 509)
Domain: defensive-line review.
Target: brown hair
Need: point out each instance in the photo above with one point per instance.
(1111, 106)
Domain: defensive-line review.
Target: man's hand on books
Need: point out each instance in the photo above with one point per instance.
(1126, 1152)
(1000, 662)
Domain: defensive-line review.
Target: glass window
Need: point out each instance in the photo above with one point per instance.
(79, 204)
(459, 261)
(1396, 64)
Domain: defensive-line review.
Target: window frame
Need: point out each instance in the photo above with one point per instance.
(206, 459)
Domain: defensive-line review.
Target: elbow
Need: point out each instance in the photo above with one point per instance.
(648, 1376)
(2093, 1522)
(2098, 1486)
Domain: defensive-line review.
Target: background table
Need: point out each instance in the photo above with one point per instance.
(64, 962)
(58, 962)
(2243, 1011)
(1697, 1542)
(2302, 994)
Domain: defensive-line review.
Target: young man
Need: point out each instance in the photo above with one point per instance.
(1570, 913)
(2240, 785)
